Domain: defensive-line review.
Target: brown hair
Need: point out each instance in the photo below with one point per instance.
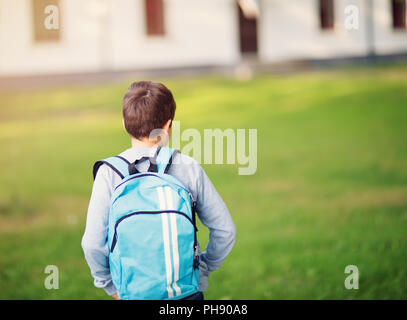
(147, 106)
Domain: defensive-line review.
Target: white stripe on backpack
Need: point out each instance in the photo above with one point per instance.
(166, 238)
(174, 237)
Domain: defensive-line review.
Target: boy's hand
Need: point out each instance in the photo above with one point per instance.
(116, 296)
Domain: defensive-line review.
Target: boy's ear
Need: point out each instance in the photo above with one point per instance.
(123, 124)
(167, 126)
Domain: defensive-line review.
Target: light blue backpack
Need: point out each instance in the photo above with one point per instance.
(152, 231)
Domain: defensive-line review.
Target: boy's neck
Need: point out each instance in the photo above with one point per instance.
(143, 143)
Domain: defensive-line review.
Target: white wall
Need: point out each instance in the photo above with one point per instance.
(197, 33)
(19, 54)
(112, 37)
(291, 30)
(387, 40)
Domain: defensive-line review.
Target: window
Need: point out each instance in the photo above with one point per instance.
(247, 29)
(326, 14)
(154, 17)
(399, 14)
(46, 20)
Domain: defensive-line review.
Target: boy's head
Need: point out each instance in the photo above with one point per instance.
(147, 106)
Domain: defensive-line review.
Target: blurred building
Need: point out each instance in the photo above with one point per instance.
(75, 36)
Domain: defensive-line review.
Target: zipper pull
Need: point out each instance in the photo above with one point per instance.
(196, 259)
(193, 202)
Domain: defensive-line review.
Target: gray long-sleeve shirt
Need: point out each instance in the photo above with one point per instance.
(211, 211)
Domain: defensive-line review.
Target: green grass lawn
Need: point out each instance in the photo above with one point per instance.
(330, 188)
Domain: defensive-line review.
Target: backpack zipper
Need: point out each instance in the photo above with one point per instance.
(146, 212)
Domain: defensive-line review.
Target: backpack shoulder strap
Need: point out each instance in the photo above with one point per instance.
(164, 159)
(153, 163)
(167, 167)
(119, 165)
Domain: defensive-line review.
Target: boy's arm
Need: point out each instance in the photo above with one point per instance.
(214, 214)
(94, 241)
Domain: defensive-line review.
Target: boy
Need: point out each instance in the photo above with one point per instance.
(148, 106)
